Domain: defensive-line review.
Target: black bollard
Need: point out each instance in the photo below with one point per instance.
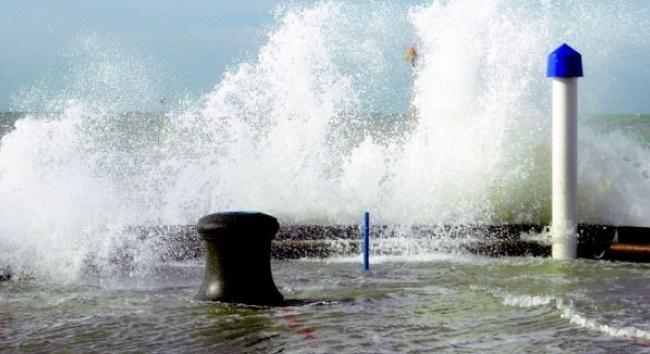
(238, 258)
(5, 273)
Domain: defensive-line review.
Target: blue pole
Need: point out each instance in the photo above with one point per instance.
(366, 241)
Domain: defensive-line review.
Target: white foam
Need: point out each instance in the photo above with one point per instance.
(569, 312)
(406, 258)
(591, 324)
(527, 301)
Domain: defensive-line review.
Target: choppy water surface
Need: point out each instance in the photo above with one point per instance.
(428, 304)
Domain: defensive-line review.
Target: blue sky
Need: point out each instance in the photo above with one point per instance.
(194, 39)
(185, 45)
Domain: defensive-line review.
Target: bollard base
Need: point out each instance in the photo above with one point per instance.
(564, 249)
(564, 237)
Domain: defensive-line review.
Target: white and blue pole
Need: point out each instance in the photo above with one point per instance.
(565, 67)
(366, 241)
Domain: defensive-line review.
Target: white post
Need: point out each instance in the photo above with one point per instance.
(565, 66)
(565, 161)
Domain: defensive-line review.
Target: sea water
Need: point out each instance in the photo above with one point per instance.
(435, 303)
(324, 122)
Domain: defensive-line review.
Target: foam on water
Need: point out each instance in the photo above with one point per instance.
(409, 258)
(286, 132)
(570, 313)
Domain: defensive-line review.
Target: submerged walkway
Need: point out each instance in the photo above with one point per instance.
(298, 241)
(182, 242)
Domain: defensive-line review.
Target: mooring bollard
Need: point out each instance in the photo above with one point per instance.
(238, 258)
(564, 67)
(366, 241)
(5, 274)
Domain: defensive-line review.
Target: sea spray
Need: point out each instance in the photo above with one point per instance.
(484, 128)
(289, 132)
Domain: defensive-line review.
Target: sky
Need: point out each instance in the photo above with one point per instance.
(195, 40)
(185, 46)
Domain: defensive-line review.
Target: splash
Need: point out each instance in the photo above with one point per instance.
(288, 132)
(569, 312)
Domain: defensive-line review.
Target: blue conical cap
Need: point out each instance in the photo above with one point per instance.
(564, 62)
